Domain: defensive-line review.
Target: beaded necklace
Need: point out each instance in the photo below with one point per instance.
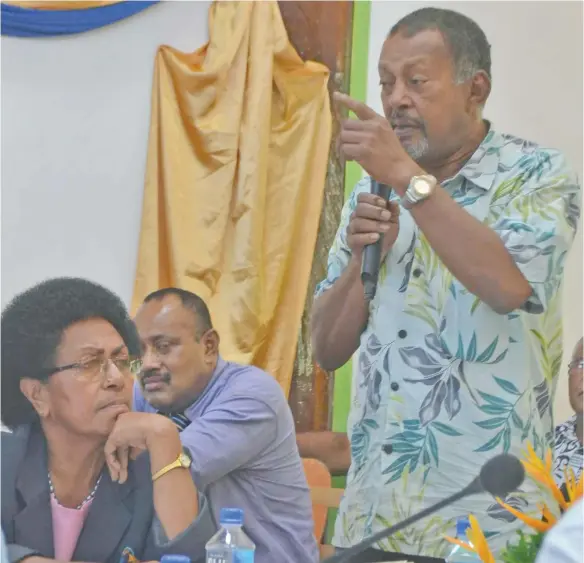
(85, 501)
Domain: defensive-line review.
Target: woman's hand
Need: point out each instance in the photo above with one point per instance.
(136, 432)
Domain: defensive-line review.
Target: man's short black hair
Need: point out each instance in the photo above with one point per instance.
(190, 301)
(32, 327)
(467, 42)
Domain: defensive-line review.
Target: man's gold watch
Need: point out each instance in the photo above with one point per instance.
(183, 460)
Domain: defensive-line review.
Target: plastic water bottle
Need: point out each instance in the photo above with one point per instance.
(175, 559)
(459, 554)
(230, 544)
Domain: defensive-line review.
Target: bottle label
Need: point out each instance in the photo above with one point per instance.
(243, 556)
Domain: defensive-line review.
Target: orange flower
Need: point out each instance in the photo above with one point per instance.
(535, 523)
(541, 471)
(477, 541)
(574, 488)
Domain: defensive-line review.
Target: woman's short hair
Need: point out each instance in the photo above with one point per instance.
(32, 327)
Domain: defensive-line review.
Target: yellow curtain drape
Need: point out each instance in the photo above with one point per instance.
(60, 4)
(237, 157)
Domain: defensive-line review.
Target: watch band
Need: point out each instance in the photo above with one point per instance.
(183, 460)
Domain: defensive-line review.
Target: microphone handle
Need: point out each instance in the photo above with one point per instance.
(345, 556)
(372, 252)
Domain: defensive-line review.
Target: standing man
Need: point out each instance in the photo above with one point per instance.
(460, 349)
(235, 422)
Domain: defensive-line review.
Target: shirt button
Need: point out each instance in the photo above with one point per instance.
(417, 272)
(402, 333)
(394, 386)
(387, 448)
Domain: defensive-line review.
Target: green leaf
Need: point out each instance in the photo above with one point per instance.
(460, 350)
(507, 386)
(472, 348)
(445, 429)
(475, 305)
(492, 443)
(491, 399)
(506, 439)
(404, 448)
(407, 436)
(494, 409)
(517, 420)
(488, 352)
(433, 446)
(411, 424)
(492, 423)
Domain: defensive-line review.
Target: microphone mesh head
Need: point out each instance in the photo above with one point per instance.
(502, 475)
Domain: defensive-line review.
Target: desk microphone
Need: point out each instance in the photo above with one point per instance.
(499, 476)
(372, 252)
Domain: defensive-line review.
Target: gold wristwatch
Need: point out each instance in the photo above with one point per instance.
(419, 189)
(183, 460)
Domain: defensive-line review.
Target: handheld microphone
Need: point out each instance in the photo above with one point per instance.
(499, 476)
(372, 252)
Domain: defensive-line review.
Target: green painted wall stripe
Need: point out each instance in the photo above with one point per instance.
(353, 173)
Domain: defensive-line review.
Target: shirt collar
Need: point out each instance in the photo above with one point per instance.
(481, 168)
(219, 369)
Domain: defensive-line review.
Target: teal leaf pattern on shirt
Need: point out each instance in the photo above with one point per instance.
(443, 382)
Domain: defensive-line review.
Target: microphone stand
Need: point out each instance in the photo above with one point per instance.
(345, 556)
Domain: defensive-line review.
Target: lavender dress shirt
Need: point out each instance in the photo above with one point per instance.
(243, 445)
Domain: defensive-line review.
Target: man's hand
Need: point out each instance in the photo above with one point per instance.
(372, 217)
(135, 432)
(370, 141)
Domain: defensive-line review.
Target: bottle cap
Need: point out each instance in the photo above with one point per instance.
(462, 525)
(231, 516)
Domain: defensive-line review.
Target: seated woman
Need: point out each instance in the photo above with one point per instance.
(83, 478)
(568, 450)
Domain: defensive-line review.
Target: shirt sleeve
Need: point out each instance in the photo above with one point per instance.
(563, 543)
(536, 216)
(340, 253)
(191, 542)
(228, 436)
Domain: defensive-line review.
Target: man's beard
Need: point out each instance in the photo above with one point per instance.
(417, 150)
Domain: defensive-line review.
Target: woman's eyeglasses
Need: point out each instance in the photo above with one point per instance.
(576, 364)
(97, 368)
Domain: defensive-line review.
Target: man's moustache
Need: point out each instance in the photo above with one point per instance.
(145, 375)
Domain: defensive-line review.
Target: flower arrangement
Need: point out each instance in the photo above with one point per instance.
(526, 548)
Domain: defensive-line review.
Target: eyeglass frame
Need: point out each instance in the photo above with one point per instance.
(134, 366)
(576, 364)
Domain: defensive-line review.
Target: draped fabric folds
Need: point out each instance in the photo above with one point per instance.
(48, 19)
(237, 157)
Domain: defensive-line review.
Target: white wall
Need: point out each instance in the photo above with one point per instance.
(75, 119)
(537, 94)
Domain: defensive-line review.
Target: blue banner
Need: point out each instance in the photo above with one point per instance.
(26, 22)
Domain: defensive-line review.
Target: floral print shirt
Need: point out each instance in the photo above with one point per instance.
(444, 382)
(568, 450)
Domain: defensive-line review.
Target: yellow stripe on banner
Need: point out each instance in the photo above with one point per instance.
(61, 4)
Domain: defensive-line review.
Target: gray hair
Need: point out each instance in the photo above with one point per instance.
(467, 42)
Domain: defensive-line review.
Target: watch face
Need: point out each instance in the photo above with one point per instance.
(185, 460)
(422, 187)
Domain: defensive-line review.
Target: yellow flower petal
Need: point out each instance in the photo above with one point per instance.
(534, 523)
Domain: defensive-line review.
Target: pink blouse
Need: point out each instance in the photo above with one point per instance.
(67, 526)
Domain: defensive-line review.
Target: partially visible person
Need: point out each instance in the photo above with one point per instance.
(3, 552)
(234, 420)
(563, 543)
(568, 449)
(83, 477)
(331, 448)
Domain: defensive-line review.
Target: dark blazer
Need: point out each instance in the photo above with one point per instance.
(120, 515)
